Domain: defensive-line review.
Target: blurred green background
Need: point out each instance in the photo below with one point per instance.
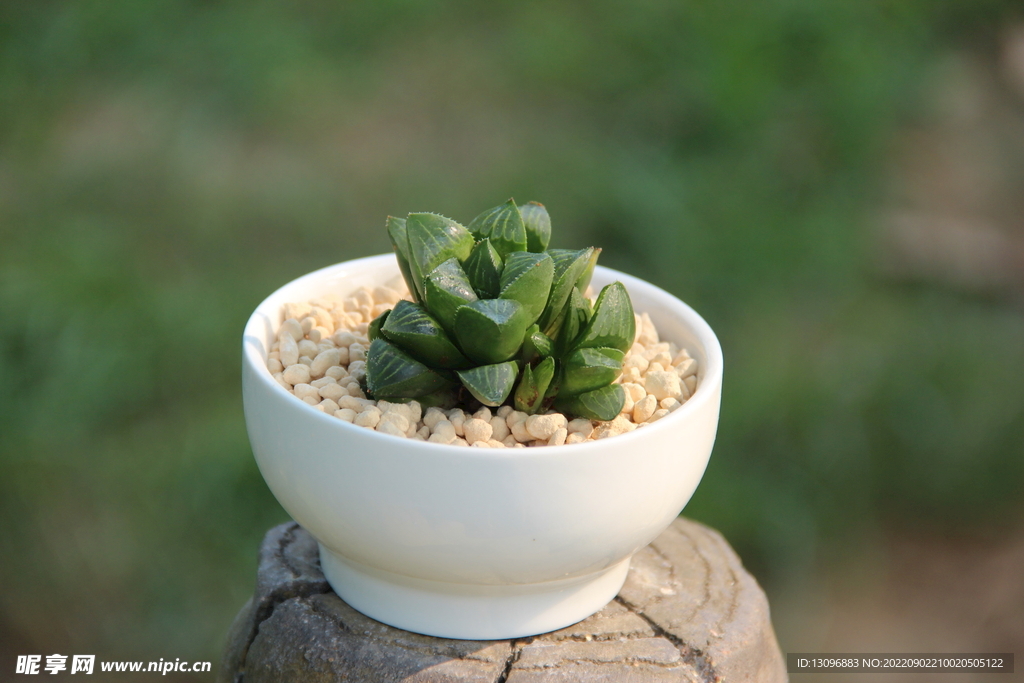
(785, 167)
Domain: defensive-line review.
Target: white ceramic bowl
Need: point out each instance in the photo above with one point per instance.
(466, 542)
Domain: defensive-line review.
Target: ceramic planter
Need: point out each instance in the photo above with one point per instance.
(476, 543)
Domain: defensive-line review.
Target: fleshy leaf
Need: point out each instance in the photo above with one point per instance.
(490, 330)
(588, 271)
(538, 226)
(612, 324)
(533, 385)
(412, 328)
(444, 399)
(483, 267)
(589, 369)
(400, 241)
(434, 239)
(526, 278)
(390, 372)
(445, 289)
(504, 226)
(574, 320)
(490, 384)
(373, 329)
(570, 264)
(536, 344)
(601, 404)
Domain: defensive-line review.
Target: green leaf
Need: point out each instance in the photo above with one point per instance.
(490, 330)
(392, 373)
(399, 237)
(570, 264)
(589, 369)
(373, 330)
(538, 226)
(444, 399)
(588, 271)
(601, 404)
(503, 225)
(533, 385)
(612, 324)
(573, 320)
(446, 288)
(526, 278)
(434, 239)
(483, 267)
(536, 344)
(490, 384)
(412, 328)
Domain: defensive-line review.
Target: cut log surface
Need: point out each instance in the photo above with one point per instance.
(687, 612)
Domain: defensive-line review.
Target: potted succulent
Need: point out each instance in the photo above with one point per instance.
(492, 310)
(356, 411)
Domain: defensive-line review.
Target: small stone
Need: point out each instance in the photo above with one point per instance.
(543, 427)
(477, 430)
(662, 385)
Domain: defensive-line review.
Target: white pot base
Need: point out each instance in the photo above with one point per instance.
(470, 611)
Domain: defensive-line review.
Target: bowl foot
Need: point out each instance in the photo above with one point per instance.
(470, 611)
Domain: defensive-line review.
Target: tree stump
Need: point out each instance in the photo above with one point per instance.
(687, 612)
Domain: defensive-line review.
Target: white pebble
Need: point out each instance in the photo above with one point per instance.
(400, 421)
(581, 425)
(289, 351)
(344, 338)
(386, 295)
(392, 428)
(575, 437)
(543, 427)
(346, 414)
(503, 411)
(658, 414)
(662, 385)
(669, 404)
(296, 374)
(357, 369)
(519, 432)
(691, 383)
(292, 328)
(442, 432)
(337, 372)
(636, 361)
(644, 409)
(477, 429)
(686, 368)
(458, 420)
(558, 438)
(333, 391)
(368, 418)
(323, 362)
(329, 406)
(274, 365)
(433, 416)
(499, 428)
(297, 311)
(304, 391)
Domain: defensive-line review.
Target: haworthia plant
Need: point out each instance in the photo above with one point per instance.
(497, 318)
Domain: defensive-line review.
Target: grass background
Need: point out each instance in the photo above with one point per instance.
(166, 165)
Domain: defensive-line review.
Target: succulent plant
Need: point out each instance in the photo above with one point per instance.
(498, 315)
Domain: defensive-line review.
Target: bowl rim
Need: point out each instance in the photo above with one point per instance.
(708, 389)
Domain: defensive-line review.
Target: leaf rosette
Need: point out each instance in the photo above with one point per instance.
(499, 317)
